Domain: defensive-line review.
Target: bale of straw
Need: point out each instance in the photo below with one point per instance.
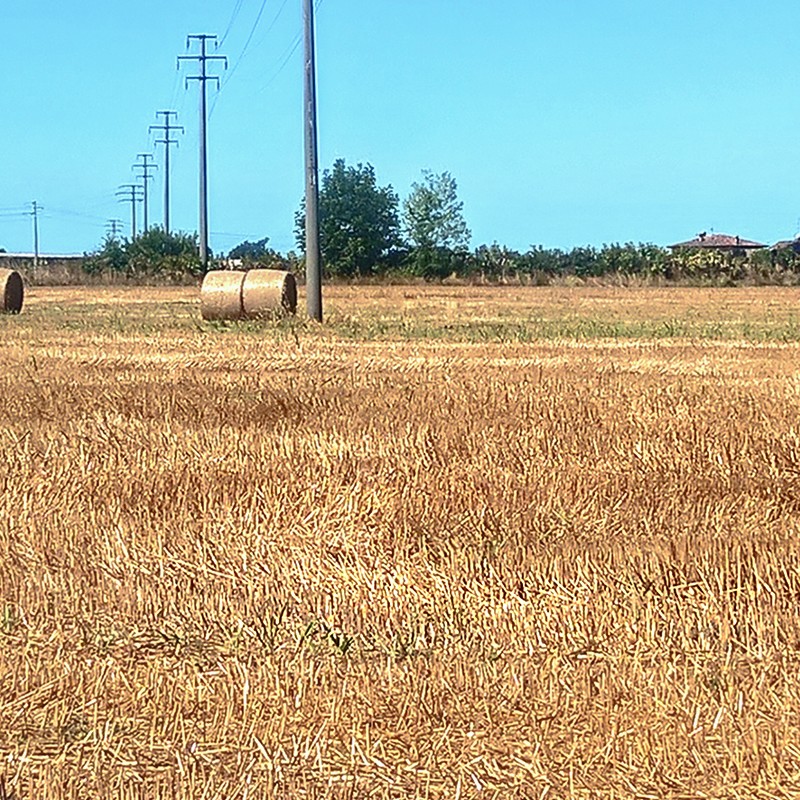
(12, 291)
(267, 292)
(221, 294)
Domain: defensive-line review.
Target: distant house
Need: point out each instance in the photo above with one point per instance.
(787, 244)
(734, 245)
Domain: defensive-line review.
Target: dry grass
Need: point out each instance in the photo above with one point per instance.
(290, 562)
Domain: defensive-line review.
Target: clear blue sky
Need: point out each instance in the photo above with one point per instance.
(564, 123)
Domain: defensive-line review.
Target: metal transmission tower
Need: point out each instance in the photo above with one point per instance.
(145, 165)
(313, 268)
(166, 141)
(35, 209)
(130, 193)
(114, 227)
(202, 58)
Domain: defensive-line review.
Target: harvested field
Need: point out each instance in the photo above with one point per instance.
(459, 542)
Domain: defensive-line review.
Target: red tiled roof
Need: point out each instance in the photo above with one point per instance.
(718, 241)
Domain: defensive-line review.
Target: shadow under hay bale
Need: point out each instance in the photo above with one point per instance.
(267, 292)
(13, 291)
(221, 295)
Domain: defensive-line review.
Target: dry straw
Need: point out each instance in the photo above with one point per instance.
(13, 291)
(268, 291)
(221, 295)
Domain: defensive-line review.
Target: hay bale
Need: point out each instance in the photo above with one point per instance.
(267, 292)
(12, 291)
(221, 294)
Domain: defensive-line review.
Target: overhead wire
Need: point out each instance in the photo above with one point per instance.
(272, 24)
(249, 39)
(236, 9)
(287, 53)
(241, 55)
(284, 60)
(224, 235)
(63, 212)
(173, 96)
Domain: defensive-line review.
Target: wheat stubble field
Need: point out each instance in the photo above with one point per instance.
(458, 543)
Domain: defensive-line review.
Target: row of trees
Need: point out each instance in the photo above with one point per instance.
(365, 231)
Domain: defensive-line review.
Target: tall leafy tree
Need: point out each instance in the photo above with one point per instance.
(434, 216)
(433, 219)
(359, 221)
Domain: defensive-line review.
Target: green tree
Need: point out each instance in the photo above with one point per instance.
(495, 261)
(359, 221)
(434, 216)
(167, 255)
(110, 258)
(433, 219)
(252, 251)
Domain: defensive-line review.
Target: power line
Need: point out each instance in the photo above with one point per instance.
(283, 60)
(288, 53)
(273, 23)
(225, 235)
(241, 54)
(249, 39)
(63, 212)
(202, 58)
(236, 9)
(166, 141)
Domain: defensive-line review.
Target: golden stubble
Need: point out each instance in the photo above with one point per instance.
(244, 565)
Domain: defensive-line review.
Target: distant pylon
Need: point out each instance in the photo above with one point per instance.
(114, 227)
(129, 193)
(202, 58)
(166, 141)
(35, 209)
(145, 165)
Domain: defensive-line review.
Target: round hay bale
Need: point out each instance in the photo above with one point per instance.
(268, 291)
(12, 290)
(221, 294)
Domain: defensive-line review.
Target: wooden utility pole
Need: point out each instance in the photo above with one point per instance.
(313, 266)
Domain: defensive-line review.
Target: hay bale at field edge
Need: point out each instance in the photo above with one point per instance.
(13, 291)
(221, 295)
(267, 291)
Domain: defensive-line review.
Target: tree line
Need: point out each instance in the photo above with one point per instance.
(367, 232)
